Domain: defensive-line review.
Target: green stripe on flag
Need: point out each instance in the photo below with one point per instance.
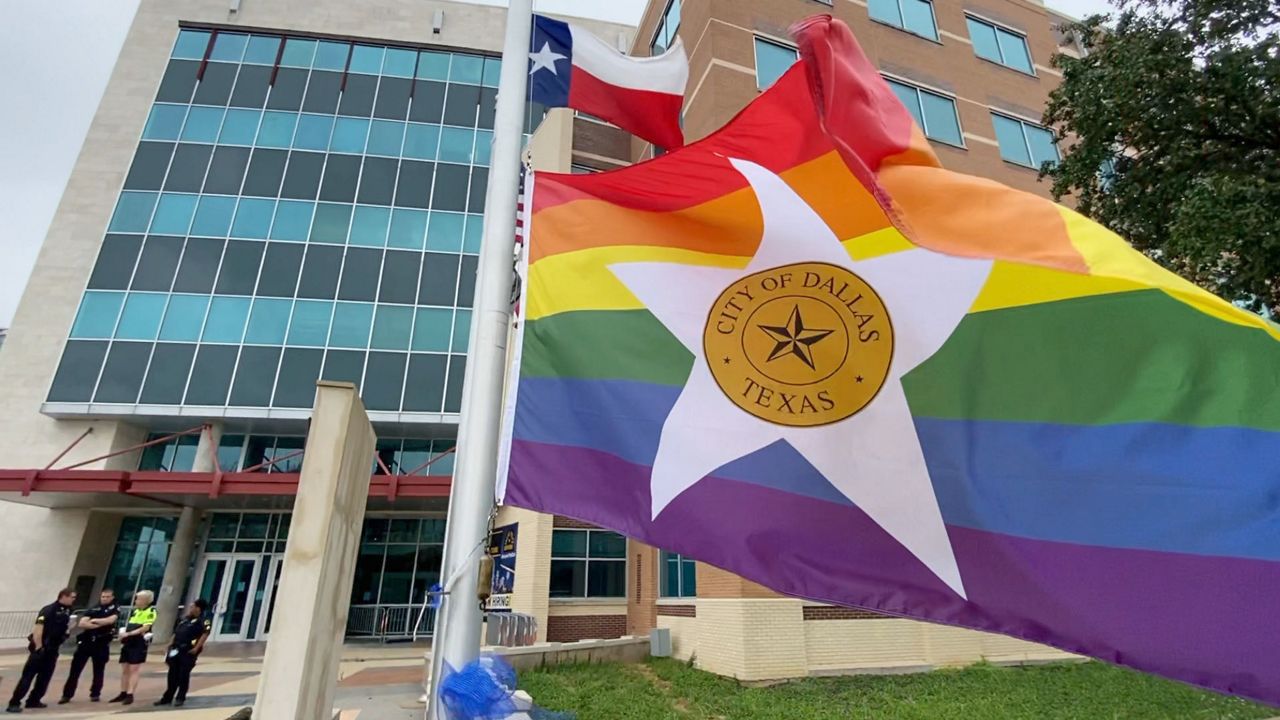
(605, 344)
(1129, 357)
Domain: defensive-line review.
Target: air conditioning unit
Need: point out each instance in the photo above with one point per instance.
(437, 22)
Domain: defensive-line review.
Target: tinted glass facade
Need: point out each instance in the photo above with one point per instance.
(296, 209)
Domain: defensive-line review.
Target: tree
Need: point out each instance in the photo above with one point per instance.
(1170, 126)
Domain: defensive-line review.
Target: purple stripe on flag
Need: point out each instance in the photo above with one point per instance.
(1162, 612)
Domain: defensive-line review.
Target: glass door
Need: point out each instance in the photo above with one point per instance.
(227, 583)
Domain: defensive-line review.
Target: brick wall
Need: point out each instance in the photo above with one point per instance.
(564, 522)
(824, 612)
(716, 583)
(688, 611)
(642, 588)
(571, 628)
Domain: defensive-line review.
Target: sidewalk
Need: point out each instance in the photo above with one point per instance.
(376, 682)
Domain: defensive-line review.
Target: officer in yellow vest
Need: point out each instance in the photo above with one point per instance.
(133, 645)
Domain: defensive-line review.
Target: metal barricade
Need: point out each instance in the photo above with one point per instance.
(389, 622)
(16, 624)
(508, 629)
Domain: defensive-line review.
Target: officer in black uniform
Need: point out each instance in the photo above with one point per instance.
(50, 630)
(188, 641)
(97, 627)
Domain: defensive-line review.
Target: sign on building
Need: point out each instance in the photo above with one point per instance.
(502, 548)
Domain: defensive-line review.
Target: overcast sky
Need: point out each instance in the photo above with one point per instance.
(57, 56)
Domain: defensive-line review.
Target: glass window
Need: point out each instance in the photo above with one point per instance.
(588, 563)
(292, 221)
(184, 318)
(213, 216)
(484, 147)
(431, 331)
(240, 127)
(391, 327)
(1014, 49)
(299, 370)
(191, 44)
(1024, 143)
(935, 114)
(202, 124)
(461, 330)
(199, 265)
(331, 223)
(351, 325)
(298, 52)
(253, 218)
(167, 373)
(366, 59)
(349, 135)
(229, 47)
(408, 227)
(280, 269)
(320, 272)
(165, 122)
(268, 321)
(420, 141)
(433, 65)
(133, 211)
(994, 43)
(492, 72)
(158, 263)
(466, 69)
(457, 144)
(665, 34)
(399, 62)
(266, 171)
(679, 576)
(240, 265)
(188, 169)
(213, 367)
(173, 214)
(262, 50)
(116, 259)
(227, 316)
(313, 132)
(983, 36)
(360, 274)
(97, 315)
(277, 129)
(385, 138)
(772, 60)
(331, 55)
(310, 324)
(915, 16)
(446, 231)
(413, 186)
(369, 226)
(255, 377)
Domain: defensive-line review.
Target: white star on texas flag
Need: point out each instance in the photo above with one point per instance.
(873, 457)
(545, 58)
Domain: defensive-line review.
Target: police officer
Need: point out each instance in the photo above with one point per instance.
(42, 646)
(188, 641)
(133, 644)
(97, 627)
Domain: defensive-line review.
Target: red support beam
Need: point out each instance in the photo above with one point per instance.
(156, 484)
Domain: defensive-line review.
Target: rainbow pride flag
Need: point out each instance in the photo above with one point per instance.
(803, 351)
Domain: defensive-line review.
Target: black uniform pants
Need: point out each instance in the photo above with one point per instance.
(98, 651)
(180, 667)
(36, 675)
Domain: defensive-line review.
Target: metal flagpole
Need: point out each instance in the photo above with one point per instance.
(457, 632)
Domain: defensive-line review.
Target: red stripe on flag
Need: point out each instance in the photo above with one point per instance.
(651, 115)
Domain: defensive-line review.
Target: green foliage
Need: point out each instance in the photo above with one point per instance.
(671, 690)
(1177, 102)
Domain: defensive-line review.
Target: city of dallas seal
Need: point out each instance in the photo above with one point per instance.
(802, 345)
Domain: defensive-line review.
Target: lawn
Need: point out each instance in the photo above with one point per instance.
(668, 689)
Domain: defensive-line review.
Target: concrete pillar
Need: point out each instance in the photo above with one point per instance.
(300, 670)
(178, 567)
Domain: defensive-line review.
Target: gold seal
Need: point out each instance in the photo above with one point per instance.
(801, 345)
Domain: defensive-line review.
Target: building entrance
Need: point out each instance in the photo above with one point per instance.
(240, 588)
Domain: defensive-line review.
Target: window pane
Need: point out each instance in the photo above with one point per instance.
(331, 223)
(391, 327)
(366, 59)
(331, 55)
(408, 227)
(607, 579)
(299, 371)
(917, 16)
(432, 330)
(313, 132)
(183, 319)
(384, 381)
(141, 317)
(492, 71)
(446, 231)
(213, 216)
(320, 272)
(349, 135)
(173, 214)
(605, 544)
(569, 543)
(940, 118)
(255, 377)
(669, 577)
(688, 578)
(413, 187)
(165, 122)
(433, 65)
(466, 69)
(461, 331)
(133, 211)
(909, 97)
(122, 374)
(199, 265)
(885, 11)
(456, 144)
(1013, 146)
(240, 127)
(158, 264)
(97, 315)
(369, 226)
(984, 40)
(310, 324)
(167, 374)
(1014, 49)
(191, 44)
(484, 146)
(474, 234)
(399, 62)
(293, 220)
(568, 578)
(277, 129)
(420, 141)
(78, 371)
(203, 124)
(227, 316)
(385, 138)
(772, 60)
(298, 53)
(1043, 149)
(240, 263)
(268, 321)
(351, 325)
(115, 262)
(360, 274)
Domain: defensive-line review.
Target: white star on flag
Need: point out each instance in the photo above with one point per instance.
(545, 58)
(873, 457)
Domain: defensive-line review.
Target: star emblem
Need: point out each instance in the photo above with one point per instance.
(872, 457)
(794, 338)
(546, 59)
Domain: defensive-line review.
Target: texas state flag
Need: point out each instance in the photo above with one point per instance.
(570, 67)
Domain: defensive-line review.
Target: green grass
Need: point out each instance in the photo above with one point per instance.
(671, 690)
